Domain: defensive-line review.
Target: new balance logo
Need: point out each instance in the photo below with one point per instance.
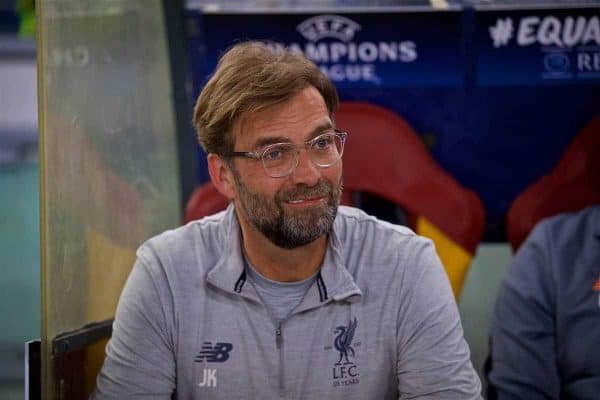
(217, 353)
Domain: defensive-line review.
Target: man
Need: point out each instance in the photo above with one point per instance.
(284, 294)
(546, 326)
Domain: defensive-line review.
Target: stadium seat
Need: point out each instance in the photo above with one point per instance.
(573, 184)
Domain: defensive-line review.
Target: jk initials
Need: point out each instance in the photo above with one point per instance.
(209, 378)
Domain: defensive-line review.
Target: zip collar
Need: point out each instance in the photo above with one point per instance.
(333, 281)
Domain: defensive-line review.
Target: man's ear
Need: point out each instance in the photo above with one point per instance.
(221, 176)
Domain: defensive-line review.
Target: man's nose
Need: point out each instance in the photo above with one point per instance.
(306, 171)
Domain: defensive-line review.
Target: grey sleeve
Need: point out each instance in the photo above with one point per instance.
(523, 339)
(433, 357)
(140, 361)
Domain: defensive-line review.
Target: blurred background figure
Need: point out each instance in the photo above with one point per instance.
(546, 325)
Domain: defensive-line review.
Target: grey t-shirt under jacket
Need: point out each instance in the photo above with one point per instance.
(379, 322)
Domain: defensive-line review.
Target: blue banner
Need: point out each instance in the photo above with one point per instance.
(354, 50)
(538, 46)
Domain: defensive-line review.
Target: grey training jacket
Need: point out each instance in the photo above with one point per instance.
(380, 322)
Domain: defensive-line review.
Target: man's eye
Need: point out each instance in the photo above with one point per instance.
(322, 143)
(273, 154)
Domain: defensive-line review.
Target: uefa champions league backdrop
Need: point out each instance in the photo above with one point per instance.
(497, 95)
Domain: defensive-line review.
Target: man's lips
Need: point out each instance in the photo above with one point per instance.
(305, 202)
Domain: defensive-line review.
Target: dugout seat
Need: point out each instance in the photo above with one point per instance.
(573, 184)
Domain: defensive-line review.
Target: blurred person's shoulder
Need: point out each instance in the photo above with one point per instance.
(570, 230)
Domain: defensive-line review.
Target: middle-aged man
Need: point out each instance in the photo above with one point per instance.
(285, 294)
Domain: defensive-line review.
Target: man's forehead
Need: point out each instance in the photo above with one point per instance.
(306, 117)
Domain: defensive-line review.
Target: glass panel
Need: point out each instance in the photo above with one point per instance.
(108, 163)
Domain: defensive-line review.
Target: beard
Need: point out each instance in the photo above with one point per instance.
(293, 228)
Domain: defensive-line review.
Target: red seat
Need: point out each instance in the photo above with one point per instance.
(205, 200)
(384, 156)
(573, 184)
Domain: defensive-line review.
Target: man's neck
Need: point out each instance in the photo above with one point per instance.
(279, 264)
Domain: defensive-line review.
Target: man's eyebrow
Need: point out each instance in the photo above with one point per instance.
(262, 142)
(265, 141)
(320, 129)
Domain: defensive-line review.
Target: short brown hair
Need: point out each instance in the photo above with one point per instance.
(249, 77)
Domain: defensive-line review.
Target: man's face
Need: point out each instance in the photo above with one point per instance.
(295, 210)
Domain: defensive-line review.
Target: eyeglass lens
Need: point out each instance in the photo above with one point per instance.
(281, 159)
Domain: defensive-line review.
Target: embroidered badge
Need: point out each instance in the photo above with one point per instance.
(217, 353)
(345, 370)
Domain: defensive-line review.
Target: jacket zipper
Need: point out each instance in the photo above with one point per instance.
(278, 342)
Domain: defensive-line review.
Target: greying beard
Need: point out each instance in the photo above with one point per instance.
(290, 230)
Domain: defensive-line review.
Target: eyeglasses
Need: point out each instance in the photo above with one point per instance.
(281, 159)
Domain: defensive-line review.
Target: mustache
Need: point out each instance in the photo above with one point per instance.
(321, 189)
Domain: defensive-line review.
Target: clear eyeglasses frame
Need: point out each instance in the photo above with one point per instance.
(281, 159)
